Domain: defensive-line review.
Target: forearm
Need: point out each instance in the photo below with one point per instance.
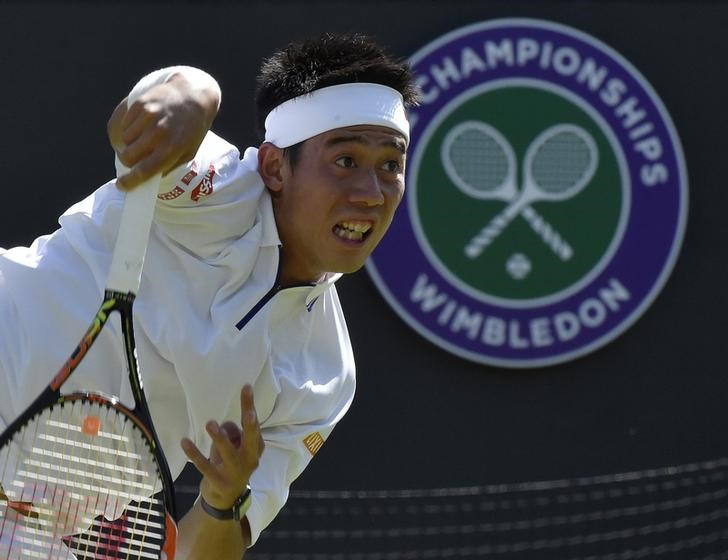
(202, 537)
(235, 453)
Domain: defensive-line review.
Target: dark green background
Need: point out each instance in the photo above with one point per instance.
(450, 218)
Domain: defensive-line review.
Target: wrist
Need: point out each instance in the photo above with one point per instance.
(234, 512)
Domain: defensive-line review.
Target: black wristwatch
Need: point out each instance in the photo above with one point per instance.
(237, 512)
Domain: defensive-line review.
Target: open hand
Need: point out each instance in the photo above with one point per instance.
(234, 455)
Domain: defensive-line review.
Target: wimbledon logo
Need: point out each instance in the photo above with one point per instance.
(546, 198)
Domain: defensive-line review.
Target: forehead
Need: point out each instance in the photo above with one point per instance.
(367, 135)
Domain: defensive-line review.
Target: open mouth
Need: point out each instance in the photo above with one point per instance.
(352, 231)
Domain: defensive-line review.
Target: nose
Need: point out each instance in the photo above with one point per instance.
(367, 189)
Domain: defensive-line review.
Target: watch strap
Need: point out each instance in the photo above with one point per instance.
(236, 512)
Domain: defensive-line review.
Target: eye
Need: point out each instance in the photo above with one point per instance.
(345, 161)
(392, 166)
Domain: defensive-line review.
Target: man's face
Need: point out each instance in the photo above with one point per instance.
(335, 205)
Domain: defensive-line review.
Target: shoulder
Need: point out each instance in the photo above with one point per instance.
(216, 172)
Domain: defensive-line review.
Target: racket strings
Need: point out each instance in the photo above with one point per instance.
(479, 160)
(561, 162)
(91, 481)
(84, 544)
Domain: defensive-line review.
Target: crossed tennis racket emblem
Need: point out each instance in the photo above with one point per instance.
(559, 163)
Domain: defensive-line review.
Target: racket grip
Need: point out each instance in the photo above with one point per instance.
(490, 232)
(548, 234)
(131, 243)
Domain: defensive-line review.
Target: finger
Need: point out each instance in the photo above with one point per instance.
(131, 113)
(134, 128)
(205, 467)
(152, 138)
(223, 450)
(249, 416)
(153, 164)
(233, 433)
(114, 127)
(130, 180)
(247, 402)
(253, 446)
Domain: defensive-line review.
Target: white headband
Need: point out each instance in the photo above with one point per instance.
(333, 107)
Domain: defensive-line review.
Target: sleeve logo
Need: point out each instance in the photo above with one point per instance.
(204, 187)
(313, 442)
(178, 191)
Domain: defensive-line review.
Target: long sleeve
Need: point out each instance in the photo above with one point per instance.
(303, 391)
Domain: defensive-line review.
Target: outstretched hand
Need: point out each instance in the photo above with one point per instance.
(234, 455)
(162, 129)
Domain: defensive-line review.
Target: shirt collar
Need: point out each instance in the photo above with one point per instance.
(320, 288)
(270, 235)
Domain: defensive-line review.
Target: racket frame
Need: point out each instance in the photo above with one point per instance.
(120, 294)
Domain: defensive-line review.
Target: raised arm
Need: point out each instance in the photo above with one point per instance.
(162, 122)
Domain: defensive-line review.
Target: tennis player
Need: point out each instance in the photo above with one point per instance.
(242, 341)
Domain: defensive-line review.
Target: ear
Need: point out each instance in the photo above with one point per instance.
(272, 166)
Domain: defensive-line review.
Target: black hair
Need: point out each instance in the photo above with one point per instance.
(327, 60)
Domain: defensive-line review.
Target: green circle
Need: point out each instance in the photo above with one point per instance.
(450, 218)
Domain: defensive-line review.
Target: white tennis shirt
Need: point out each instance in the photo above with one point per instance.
(207, 320)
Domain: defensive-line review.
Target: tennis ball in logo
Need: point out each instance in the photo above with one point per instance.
(518, 266)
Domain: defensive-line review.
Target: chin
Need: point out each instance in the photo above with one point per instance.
(348, 268)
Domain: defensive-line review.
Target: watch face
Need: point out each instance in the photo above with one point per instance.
(242, 504)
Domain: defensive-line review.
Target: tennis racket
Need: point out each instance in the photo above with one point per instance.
(83, 476)
(481, 162)
(559, 163)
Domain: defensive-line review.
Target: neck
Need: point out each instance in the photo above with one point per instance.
(291, 273)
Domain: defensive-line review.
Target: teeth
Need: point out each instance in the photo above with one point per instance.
(347, 234)
(359, 227)
(354, 231)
